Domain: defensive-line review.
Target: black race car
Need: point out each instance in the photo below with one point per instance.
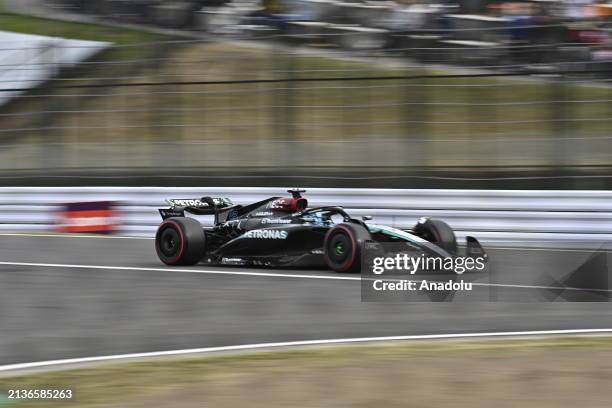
(284, 232)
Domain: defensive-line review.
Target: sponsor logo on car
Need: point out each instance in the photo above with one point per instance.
(266, 234)
(188, 203)
(277, 204)
(197, 203)
(171, 213)
(275, 221)
(232, 261)
(263, 214)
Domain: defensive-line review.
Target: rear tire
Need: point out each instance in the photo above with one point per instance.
(437, 232)
(342, 246)
(180, 241)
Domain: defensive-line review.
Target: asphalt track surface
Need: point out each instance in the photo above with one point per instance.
(69, 297)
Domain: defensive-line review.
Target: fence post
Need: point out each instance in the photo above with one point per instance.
(282, 105)
(415, 117)
(559, 122)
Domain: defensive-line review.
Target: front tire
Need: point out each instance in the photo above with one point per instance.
(180, 241)
(437, 232)
(342, 247)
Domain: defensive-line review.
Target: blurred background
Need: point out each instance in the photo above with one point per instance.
(311, 92)
(122, 104)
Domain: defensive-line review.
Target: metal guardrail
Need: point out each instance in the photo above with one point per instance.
(567, 218)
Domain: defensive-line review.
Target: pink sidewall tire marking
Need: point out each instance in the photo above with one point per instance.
(177, 227)
(349, 262)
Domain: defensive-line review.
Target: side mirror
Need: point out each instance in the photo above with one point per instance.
(366, 217)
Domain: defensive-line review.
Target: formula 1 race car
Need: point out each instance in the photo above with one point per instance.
(284, 232)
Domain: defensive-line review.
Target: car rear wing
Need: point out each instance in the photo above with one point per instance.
(198, 206)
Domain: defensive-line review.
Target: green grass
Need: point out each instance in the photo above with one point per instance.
(81, 31)
(411, 108)
(110, 384)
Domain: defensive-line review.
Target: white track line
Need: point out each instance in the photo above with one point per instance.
(279, 275)
(179, 270)
(46, 235)
(552, 249)
(241, 347)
